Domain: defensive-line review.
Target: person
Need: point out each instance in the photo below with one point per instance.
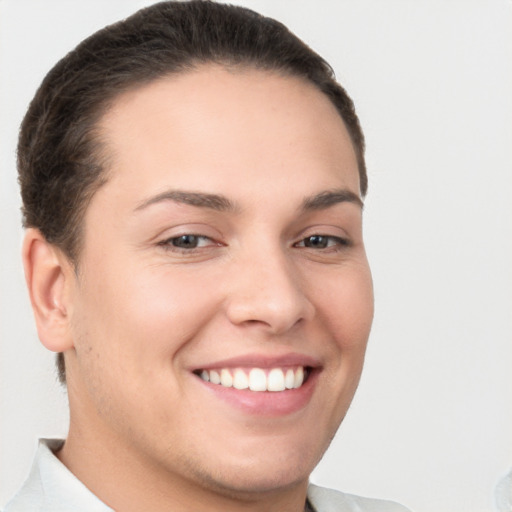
(193, 180)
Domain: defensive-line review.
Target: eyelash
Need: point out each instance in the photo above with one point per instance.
(332, 243)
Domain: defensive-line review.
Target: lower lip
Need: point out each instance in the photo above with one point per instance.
(266, 403)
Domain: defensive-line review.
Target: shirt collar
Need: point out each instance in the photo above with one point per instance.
(51, 487)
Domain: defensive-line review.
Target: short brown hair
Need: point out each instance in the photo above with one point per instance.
(60, 161)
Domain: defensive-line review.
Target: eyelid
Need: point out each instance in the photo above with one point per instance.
(169, 231)
(325, 229)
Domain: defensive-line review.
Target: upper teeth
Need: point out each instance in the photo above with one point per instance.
(256, 379)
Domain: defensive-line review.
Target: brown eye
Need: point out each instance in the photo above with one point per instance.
(322, 242)
(316, 242)
(187, 241)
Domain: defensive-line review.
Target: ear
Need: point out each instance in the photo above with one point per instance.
(49, 276)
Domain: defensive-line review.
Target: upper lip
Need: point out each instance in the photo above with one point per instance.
(262, 361)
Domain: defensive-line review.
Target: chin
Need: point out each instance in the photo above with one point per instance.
(248, 482)
(276, 472)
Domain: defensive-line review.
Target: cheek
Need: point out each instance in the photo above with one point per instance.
(143, 318)
(347, 309)
(129, 330)
(173, 305)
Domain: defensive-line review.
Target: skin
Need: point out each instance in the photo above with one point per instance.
(141, 314)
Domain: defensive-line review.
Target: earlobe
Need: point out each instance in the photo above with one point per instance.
(49, 276)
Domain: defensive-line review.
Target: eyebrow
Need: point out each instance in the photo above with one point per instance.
(320, 201)
(330, 198)
(199, 199)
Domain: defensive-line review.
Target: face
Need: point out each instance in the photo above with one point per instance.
(224, 300)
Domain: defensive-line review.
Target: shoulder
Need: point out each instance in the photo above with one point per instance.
(328, 500)
(51, 487)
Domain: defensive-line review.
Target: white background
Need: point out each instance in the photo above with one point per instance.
(431, 425)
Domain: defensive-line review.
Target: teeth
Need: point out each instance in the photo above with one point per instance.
(275, 381)
(299, 377)
(256, 379)
(214, 377)
(240, 380)
(225, 378)
(289, 380)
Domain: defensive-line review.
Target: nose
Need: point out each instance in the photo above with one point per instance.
(266, 290)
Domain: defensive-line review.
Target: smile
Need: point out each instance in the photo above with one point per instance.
(257, 379)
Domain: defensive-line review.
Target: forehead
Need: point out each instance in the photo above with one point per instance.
(214, 127)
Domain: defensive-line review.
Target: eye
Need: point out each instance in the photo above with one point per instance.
(187, 241)
(322, 242)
